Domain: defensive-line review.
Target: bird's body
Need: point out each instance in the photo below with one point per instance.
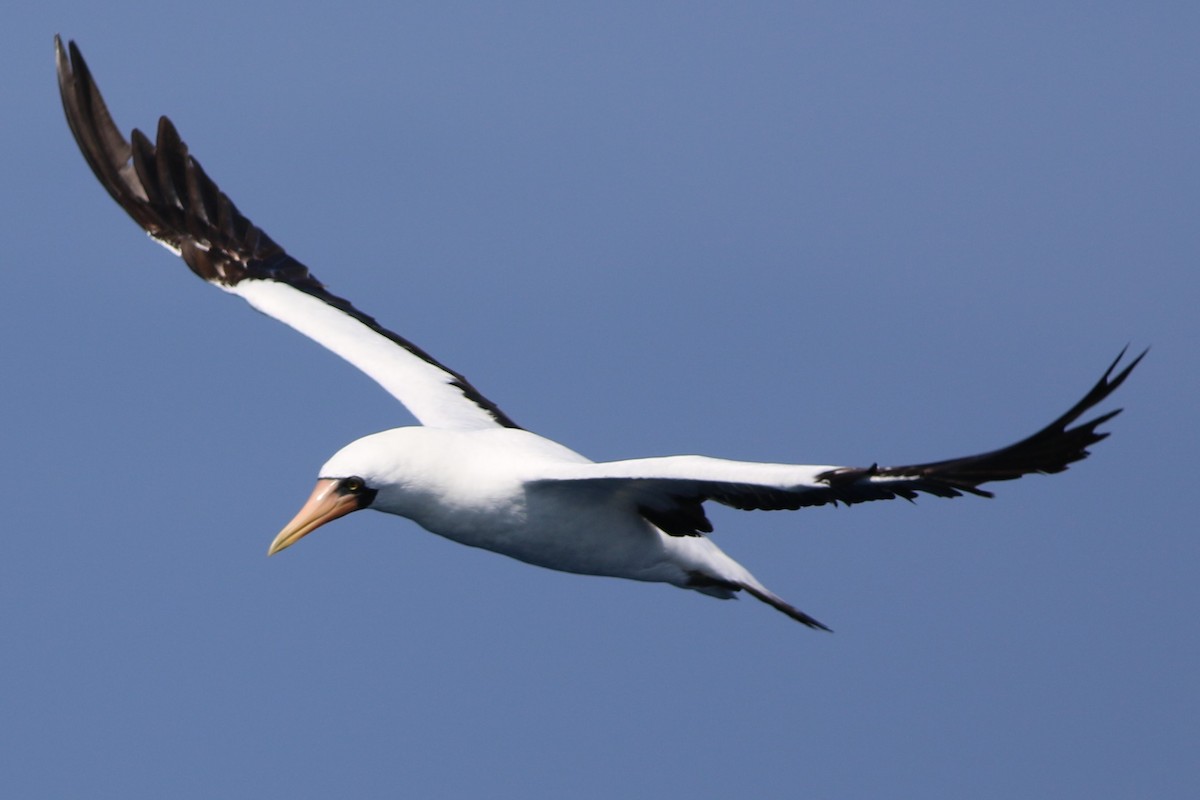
(470, 473)
(473, 487)
(499, 489)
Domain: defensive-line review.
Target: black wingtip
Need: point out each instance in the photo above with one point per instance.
(1100, 392)
(1107, 383)
(1117, 381)
(1051, 450)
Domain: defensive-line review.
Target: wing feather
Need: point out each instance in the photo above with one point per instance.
(670, 491)
(166, 191)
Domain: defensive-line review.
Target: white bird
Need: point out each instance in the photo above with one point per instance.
(469, 472)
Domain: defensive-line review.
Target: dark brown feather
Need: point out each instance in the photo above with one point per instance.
(165, 190)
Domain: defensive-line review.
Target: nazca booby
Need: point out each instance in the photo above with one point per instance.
(469, 472)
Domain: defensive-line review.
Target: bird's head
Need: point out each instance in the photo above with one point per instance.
(349, 481)
(332, 498)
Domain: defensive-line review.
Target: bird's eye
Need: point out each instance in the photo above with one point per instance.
(353, 484)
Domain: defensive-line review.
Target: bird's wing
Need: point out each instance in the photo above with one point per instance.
(164, 189)
(670, 491)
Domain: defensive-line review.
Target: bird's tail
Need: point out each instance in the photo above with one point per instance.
(708, 569)
(759, 592)
(727, 588)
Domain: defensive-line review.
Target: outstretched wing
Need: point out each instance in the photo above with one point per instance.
(670, 491)
(164, 189)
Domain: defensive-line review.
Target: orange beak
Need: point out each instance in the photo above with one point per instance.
(325, 505)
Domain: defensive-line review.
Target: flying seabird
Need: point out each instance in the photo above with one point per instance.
(469, 472)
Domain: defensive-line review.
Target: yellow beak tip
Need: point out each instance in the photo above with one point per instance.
(277, 546)
(325, 504)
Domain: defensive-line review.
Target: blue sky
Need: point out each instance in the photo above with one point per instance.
(796, 232)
